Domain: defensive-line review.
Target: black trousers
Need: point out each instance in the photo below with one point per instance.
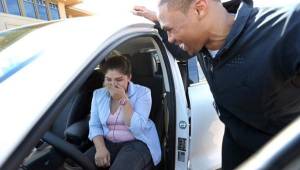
(232, 153)
(239, 143)
(131, 155)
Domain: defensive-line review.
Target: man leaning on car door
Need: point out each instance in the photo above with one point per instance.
(250, 59)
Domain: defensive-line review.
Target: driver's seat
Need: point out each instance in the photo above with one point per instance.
(68, 134)
(72, 140)
(77, 124)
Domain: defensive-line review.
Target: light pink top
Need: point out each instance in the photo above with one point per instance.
(118, 131)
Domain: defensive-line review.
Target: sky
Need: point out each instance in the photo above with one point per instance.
(93, 5)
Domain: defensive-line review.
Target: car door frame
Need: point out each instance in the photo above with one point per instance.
(44, 123)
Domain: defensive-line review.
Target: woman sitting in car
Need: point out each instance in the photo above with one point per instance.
(123, 135)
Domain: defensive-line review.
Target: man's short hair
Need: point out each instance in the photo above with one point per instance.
(182, 5)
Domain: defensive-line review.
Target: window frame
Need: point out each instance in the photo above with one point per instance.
(2, 7)
(4, 4)
(34, 8)
(36, 4)
(199, 76)
(43, 4)
(55, 7)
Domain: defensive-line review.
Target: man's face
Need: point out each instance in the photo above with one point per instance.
(186, 30)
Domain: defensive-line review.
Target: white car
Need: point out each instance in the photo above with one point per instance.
(49, 71)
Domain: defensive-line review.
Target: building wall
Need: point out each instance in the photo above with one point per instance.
(62, 7)
(8, 21)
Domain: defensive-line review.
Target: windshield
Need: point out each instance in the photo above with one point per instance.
(9, 62)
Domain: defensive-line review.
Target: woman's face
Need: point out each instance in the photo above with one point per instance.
(116, 78)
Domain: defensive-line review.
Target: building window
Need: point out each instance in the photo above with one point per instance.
(1, 7)
(13, 7)
(54, 11)
(29, 8)
(42, 9)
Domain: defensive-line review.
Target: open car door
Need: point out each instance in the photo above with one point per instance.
(206, 128)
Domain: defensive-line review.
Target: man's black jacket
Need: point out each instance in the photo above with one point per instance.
(254, 76)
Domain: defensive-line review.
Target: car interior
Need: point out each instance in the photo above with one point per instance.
(64, 144)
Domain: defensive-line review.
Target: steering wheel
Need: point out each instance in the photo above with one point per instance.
(69, 150)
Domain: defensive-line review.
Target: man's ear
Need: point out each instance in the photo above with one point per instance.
(200, 8)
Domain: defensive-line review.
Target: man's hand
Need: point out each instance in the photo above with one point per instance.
(144, 12)
(102, 157)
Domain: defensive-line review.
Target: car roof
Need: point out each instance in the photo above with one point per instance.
(63, 49)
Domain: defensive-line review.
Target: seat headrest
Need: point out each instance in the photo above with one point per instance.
(143, 64)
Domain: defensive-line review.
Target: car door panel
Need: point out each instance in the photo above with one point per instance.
(206, 129)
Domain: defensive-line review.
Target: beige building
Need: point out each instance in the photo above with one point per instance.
(15, 13)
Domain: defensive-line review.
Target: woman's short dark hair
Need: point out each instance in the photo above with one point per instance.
(119, 63)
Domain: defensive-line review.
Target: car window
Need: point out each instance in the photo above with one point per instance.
(195, 73)
(10, 64)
